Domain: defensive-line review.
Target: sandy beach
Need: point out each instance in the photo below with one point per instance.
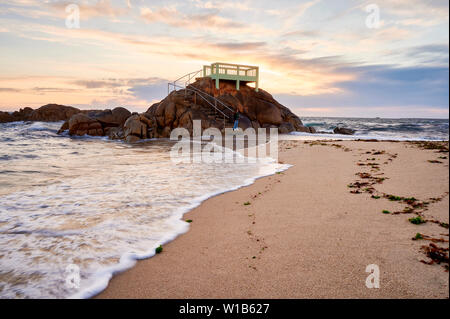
(310, 231)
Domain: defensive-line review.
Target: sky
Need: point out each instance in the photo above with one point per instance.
(349, 58)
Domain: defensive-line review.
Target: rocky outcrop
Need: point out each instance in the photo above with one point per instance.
(137, 127)
(21, 115)
(179, 109)
(53, 113)
(6, 117)
(81, 124)
(343, 131)
(258, 109)
(111, 118)
(46, 113)
(97, 123)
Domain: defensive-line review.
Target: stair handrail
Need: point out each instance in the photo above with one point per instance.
(190, 75)
(187, 83)
(201, 95)
(213, 97)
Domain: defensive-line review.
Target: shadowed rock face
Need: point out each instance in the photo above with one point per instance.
(258, 109)
(343, 131)
(97, 123)
(81, 124)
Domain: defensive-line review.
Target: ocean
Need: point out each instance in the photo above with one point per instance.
(385, 129)
(99, 205)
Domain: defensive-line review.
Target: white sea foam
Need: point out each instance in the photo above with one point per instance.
(331, 136)
(100, 205)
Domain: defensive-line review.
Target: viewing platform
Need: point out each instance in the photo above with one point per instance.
(234, 72)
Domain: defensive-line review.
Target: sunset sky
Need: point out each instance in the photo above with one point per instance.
(318, 57)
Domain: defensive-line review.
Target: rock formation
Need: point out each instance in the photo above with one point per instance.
(46, 113)
(179, 109)
(137, 127)
(257, 109)
(343, 131)
(97, 123)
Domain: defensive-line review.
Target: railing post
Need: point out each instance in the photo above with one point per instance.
(257, 79)
(217, 76)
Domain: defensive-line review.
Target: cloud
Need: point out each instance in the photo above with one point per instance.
(39, 9)
(175, 18)
(415, 12)
(386, 87)
(9, 90)
(149, 89)
(223, 5)
(138, 88)
(302, 33)
(437, 54)
(241, 45)
(97, 84)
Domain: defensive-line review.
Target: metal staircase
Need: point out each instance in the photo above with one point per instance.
(183, 83)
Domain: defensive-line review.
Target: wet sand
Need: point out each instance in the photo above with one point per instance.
(305, 235)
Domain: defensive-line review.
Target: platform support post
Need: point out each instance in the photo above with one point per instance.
(257, 79)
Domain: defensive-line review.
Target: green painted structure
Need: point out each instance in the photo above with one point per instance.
(234, 72)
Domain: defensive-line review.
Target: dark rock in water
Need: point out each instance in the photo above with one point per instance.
(108, 118)
(137, 127)
(53, 113)
(306, 129)
(114, 133)
(81, 124)
(98, 123)
(46, 113)
(64, 127)
(343, 131)
(21, 115)
(286, 128)
(6, 117)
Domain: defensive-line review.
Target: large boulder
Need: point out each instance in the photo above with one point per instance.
(80, 124)
(46, 113)
(111, 118)
(6, 117)
(138, 126)
(53, 113)
(286, 128)
(343, 131)
(244, 122)
(21, 115)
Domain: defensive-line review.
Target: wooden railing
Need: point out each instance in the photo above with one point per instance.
(234, 72)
